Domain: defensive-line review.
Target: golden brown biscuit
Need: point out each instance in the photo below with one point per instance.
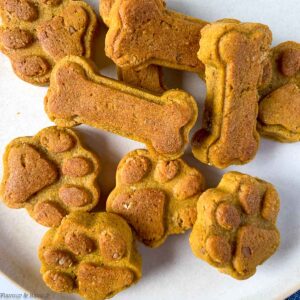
(144, 32)
(280, 97)
(150, 77)
(234, 55)
(93, 255)
(36, 34)
(157, 198)
(50, 174)
(77, 95)
(236, 228)
(105, 7)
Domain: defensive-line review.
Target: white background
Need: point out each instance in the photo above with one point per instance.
(171, 271)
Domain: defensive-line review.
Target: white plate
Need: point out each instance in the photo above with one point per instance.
(170, 272)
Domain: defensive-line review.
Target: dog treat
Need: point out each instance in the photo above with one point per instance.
(280, 97)
(144, 32)
(93, 255)
(77, 95)
(36, 34)
(236, 229)
(157, 198)
(105, 7)
(234, 55)
(150, 77)
(50, 175)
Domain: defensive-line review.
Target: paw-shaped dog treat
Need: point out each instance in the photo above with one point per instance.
(50, 175)
(157, 198)
(93, 255)
(144, 32)
(236, 229)
(280, 98)
(36, 34)
(234, 55)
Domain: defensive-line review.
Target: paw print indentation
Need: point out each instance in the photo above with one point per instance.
(157, 198)
(36, 34)
(279, 105)
(50, 174)
(93, 255)
(236, 228)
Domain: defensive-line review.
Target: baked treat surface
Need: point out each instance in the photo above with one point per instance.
(105, 7)
(36, 34)
(93, 255)
(156, 197)
(78, 95)
(236, 228)
(234, 55)
(148, 78)
(280, 96)
(51, 175)
(143, 32)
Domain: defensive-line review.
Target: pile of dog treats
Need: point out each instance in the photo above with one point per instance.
(252, 90)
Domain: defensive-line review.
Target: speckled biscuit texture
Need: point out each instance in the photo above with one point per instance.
(36, 34)
(51, 175)
(93, 255)
(156, 197)
(279, 109)
(236, 228)
(144, 32)
(77, 95)
(148, 78)
(105, 7)
(234, 55)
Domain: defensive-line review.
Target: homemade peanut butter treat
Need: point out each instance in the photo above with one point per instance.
(93, 255)
(150, 77)
(234, 55)
(78, 95)
(157, 198)
(144, 32)
(105, 7)
(36, 34)
(50, 174)
(279, 109)
(236, 229)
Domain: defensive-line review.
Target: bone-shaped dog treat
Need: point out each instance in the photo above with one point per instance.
(150, 77)
(143, 32)
(77, 95)
(234, 55)
(280, 97)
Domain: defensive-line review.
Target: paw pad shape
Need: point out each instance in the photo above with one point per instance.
(236, 229)
(93, 255)
(156, 197)
(36, 34)
(279, 105)
(50, 174)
